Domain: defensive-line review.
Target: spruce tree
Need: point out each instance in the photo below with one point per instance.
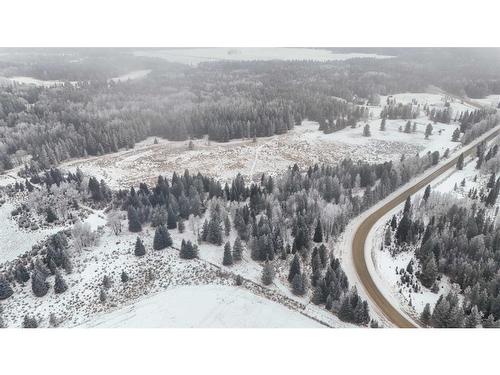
(162, 238)
(5, 288)
(21, 274)
(237, 249)
(382, 124)
(425, 317)
(267, 274)
(228, 257)
(188, 250)
(460, 162)
(60, 285)
(134, 224)
(428, 131)
(298, 287)
(427, 193)
(124, 277)
(172, 219)
(139, 250)
(294, 268)
(38, 284)
(429, 271)
(366, 131)
(473, 320)
(318, 233)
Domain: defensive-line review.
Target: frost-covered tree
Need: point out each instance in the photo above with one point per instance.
(114, 222)
(60, 285)
(237, 249)
(134, 224)
(267, 274)
(139, 249)
(5, 288)
(161, 238)
(228, 257)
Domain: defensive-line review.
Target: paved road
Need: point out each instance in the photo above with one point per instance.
(359, 239)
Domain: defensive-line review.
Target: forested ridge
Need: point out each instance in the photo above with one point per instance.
(224, 100)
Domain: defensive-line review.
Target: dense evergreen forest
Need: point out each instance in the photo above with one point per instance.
(224, 100)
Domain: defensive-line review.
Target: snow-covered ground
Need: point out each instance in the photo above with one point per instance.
(203, 306)
(198, 55)
(136, 74)
(14, 240)
(33, 81)
(304, 145)
(490, 100)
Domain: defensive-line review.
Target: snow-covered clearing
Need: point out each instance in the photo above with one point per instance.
(136, 74)
(203, 306)
(197, 55)
(16, 241)
(304, 145)
(490, 100)
(32, 81)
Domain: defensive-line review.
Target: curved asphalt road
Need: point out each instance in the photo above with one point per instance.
(359, 240)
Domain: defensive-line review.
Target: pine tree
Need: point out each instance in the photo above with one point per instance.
(180, 226)
(425, 317)
(237, 249)
(228, 257)
(162, 238)
(267, 274)
(124, 277)
(21, 274)
(473, 320)
(38, 284)
(428, 131)
(140, 250)
(382, 124)
(427, 193)
(294, 268)
(298, 287)
(188, 250)
(429, 272)
(60, 285)
(171, 219)
(5, 288)
(456, 135)
(388, 237)
(460, 162)
(318, 233)
(227, 225)
(50, 215)
(134, 224)
(366, 131)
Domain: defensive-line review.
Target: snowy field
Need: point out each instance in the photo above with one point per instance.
(197, 55)
(490, 100)
(304, 145)
(136, 74)
(204, 306)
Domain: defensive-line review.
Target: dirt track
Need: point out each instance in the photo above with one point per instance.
(359, 240)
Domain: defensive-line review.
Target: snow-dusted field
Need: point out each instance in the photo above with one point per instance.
(198, 55)
(304, 145)
(14, 240)
(203, 306)
(136, 74)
